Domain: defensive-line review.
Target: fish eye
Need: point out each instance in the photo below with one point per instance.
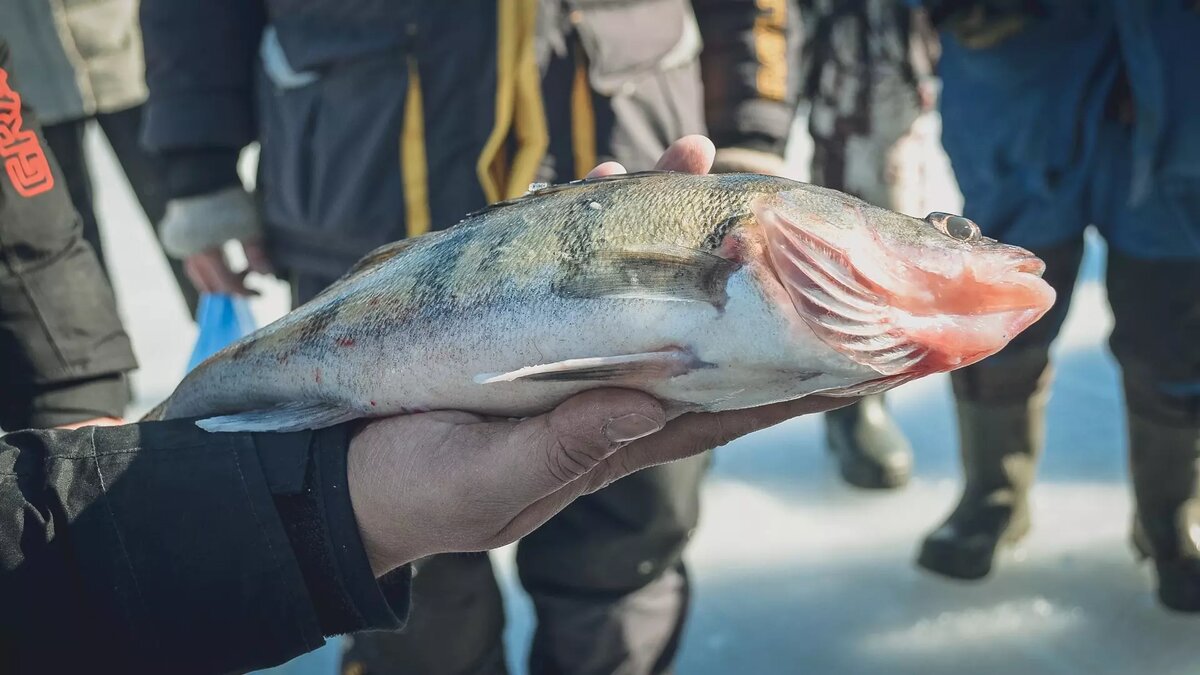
(955, 227)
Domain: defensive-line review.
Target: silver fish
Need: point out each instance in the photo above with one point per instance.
(708, 292)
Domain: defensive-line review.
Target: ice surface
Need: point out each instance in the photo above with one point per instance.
(795, 572)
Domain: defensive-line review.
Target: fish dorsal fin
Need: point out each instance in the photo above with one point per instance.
(565, 187)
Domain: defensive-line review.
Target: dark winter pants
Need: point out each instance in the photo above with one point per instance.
(1155, 300)
(144, 171)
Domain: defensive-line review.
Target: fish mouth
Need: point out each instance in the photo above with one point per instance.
(898, 309)
(1029, 264)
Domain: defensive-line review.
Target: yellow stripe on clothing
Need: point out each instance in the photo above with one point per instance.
(770, 49)
(519, 109)
(414, 167)
(583, 118)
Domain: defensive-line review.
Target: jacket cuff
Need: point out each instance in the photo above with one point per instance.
(79, 401)
(319, 519)
(200, 171)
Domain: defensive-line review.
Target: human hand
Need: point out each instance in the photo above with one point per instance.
(452, 481)
(95, 422)
(210, 272)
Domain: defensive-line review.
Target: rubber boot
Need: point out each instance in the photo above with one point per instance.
(1165, 465)
(1000, 445)
(870, 449)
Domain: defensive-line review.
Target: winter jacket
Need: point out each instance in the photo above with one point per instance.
(78, 57)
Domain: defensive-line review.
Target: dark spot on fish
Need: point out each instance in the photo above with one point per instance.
(346, 341)
(317, 377)
(316, 325)
(372, 404)
(239, 350)
(282, 359)
(432, 279)
(664, 272)
(499, 241)
(717, 235)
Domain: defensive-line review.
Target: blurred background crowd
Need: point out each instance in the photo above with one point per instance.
(373, 121)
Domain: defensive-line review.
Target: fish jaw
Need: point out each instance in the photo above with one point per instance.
(901, 307)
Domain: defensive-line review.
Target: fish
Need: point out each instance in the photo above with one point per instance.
(709, 292)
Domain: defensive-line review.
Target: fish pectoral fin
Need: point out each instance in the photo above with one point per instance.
(624, 368)
(868, 388)
(657, 272)
(282, 418)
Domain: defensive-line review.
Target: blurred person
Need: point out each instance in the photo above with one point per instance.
(866, 69)
(1058, 115)
(378, 122)
(63, 351)
(82, 62)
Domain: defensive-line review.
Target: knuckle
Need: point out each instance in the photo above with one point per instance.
(567, 460)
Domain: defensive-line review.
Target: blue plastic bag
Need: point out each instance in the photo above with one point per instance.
(221, 319)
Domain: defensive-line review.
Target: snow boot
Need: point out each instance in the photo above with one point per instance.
(1165, 465)
(870, 449)
(1000, 445)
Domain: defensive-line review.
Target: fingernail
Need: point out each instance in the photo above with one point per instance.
(631, 427)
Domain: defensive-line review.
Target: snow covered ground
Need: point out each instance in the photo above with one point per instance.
(796, 572)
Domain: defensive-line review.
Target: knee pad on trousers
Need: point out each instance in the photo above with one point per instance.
(1156, 336)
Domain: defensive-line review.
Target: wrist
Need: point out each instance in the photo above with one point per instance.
(386, 546)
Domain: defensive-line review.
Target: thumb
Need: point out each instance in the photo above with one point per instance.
(556, 448)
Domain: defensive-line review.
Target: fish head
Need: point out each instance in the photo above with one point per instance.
(903, 295)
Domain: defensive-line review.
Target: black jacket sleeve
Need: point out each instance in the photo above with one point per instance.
(63, 351)
(750, 66)
(158, 547)
(200, 60)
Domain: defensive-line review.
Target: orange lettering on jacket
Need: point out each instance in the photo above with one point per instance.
(24, 159)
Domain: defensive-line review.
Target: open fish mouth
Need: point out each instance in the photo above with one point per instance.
(905, 308)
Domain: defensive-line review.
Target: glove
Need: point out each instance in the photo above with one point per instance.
(744, 160)
(196, 227)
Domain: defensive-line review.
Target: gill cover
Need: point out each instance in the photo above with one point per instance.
(842, 306)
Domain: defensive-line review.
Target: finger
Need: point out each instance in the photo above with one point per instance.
(95, 422)
(228, 281)
(606, 169)
(203, 269)
(256, 257)
(197, 275)
(694, 433)
(555, 449)
(690, 154)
